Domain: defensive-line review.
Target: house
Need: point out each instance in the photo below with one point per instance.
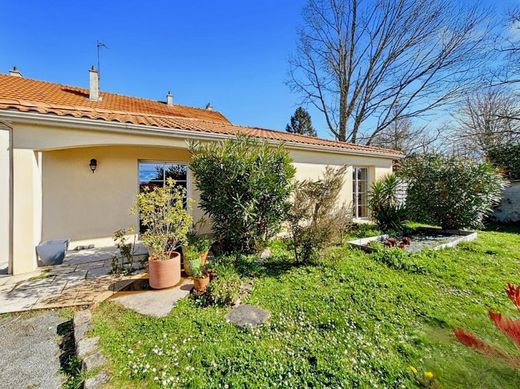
(72, 160)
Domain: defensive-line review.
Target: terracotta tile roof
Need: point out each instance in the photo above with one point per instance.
(26, 95)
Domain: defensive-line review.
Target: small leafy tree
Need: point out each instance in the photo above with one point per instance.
(301, 123)
(450, 191)
(316, 218)
(164, 213)
(244, 188)
(385, 207)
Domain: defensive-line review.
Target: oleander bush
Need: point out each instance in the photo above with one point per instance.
(450, 191)
(244, 187)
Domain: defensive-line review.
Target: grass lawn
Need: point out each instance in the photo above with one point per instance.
(350, 320)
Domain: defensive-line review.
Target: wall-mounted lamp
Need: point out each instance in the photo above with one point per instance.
(93, 164)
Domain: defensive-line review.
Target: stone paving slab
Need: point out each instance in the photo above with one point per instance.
(248, 316)
(12, 280)
(156, 303)
(82, 279)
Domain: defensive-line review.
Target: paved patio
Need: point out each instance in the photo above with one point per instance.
(82, 279)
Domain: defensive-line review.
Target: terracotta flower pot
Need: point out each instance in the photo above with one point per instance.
(165, 273)
(187, 264)
(201, 284)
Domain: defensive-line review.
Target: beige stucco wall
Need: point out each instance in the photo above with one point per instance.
(56, 196)
(310, 165)
(27, 197)
(5, 195)
(88, 207)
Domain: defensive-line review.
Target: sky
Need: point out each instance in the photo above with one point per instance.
(232, 53)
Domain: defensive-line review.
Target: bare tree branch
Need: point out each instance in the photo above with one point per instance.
(486, 119)
(367, 64)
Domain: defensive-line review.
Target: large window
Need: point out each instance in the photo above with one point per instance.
(360, 192)
(153, 174)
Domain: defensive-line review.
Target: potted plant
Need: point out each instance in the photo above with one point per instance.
(191, 258)
(200, 276)
(165, 217)
(197, 246)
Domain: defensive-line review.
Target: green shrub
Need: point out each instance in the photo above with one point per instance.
(365, 230)
(315, 218)
(123, 261)
(506, 157)
(165, 215)
(225, 288)
(385, 208)
(244, 188)
(450, 191)
(397, 259)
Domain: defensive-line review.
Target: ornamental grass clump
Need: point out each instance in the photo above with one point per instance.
(244, 188)
(164, 214)
(450, 191)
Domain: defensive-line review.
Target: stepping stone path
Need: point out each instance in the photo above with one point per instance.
(248, 316)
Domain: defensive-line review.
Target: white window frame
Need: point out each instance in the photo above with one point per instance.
(188, 183)
(355, 192)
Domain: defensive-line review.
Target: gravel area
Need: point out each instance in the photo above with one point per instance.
(29, 350)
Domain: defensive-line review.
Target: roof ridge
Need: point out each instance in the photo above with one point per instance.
(104, 110)
(309, 137)
(83, 89)
(25, 94)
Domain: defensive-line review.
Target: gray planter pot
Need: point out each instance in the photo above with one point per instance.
(51, 252)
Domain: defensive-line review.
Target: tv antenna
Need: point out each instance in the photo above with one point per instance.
(99, 45)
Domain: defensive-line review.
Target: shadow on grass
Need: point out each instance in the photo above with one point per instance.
(69, 362)
(255, 266)
(501, 227)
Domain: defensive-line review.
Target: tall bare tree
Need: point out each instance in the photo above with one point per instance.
(486, 119)
(402, 135)
(509, 45)
(368, 63)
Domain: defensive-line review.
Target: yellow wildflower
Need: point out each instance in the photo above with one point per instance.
(413, 369)
(428, 374)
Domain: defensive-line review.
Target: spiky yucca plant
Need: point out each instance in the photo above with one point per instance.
(385, 208)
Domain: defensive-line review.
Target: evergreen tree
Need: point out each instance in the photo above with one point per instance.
(301, 123)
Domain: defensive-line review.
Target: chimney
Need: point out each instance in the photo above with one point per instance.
(169, 98)
(15, 72)
(209, 107)
(94, 85)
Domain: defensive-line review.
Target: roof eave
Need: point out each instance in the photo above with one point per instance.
(113, 126)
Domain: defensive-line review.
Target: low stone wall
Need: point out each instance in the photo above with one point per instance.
(509, 209)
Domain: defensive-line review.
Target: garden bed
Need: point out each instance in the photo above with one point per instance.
(421, 239)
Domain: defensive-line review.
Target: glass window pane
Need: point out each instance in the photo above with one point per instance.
(363, 174)
(360, 191)
(175, 171)
(150, 171)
